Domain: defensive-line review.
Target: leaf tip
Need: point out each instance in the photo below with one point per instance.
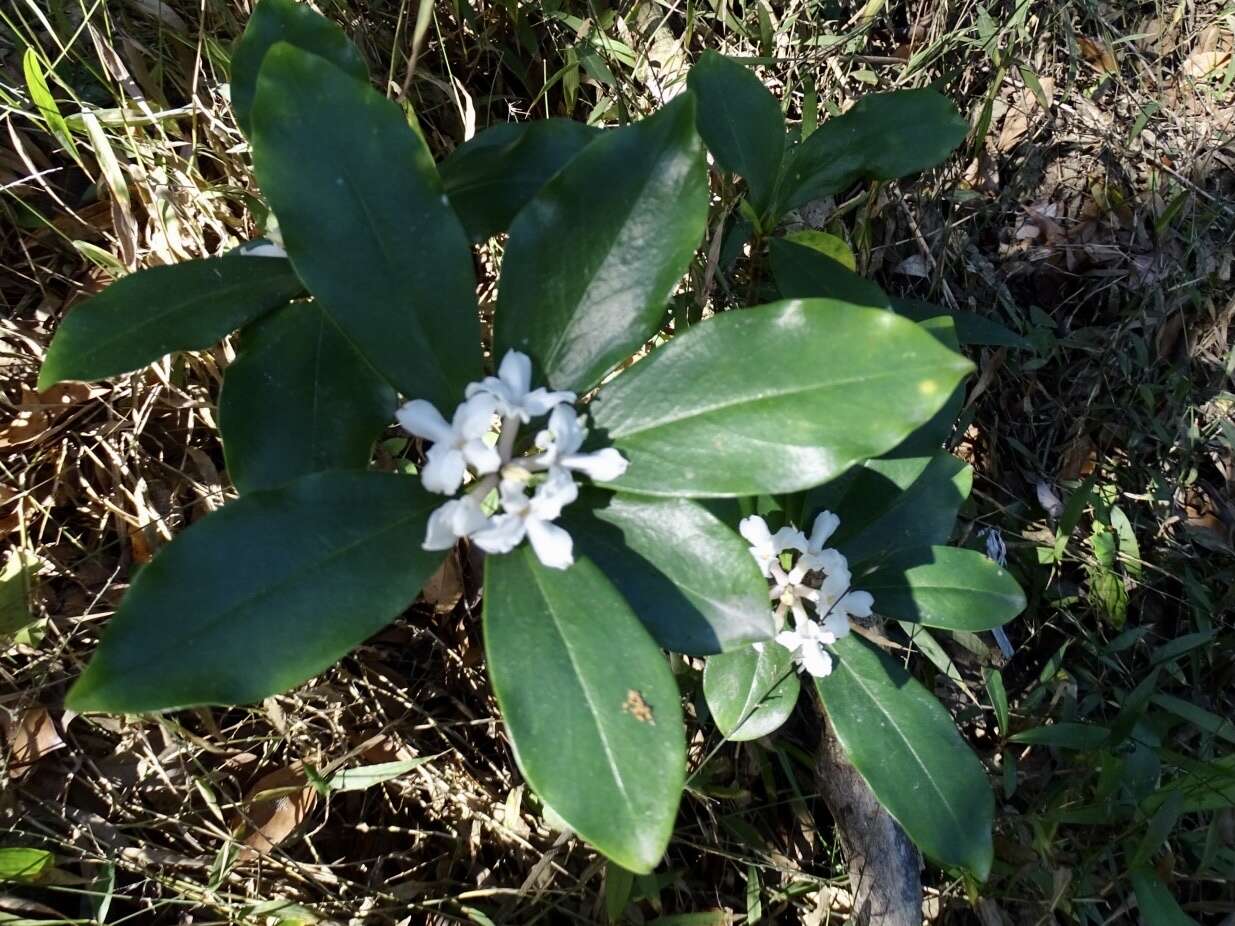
(48, 376)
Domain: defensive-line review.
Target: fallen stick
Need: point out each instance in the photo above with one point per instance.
(884, 866)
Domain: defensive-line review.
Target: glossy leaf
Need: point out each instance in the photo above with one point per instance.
(143, 316)
(687, 575)
(299, 399)
(827, 244)
(943, 587)
(366, 223)
(495, 174)
(906, 746)
(262, 594)
(750, 694)
(592, 259)
(1156, 905)
(773, 399)
(297, 24)
(589, 702)
(931, 436)
(886, 505)
(884, 136)
(805, 273)
(740, 122)
(971, 328)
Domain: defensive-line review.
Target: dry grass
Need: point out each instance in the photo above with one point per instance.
(1092, 212)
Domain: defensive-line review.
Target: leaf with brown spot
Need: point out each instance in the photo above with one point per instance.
(31, 738)
(275, 806)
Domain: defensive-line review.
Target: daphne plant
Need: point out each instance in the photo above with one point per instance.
(607, 494)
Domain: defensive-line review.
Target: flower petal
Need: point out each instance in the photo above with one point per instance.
(553, 545)
(514, 496)
(474, 418)
(833, 588)
(856, 604)
(815, 660)
(481, 457)
(540, 400)
(836, 624)
(602, 466)
(790, 640)
(457, 518)
(756, 531)
(566, 428)
(825, 526)
(554, 494)
(443, 470)
(502, 535)
(421, 419)
(825, 561)
(516, 372)
(789, 538)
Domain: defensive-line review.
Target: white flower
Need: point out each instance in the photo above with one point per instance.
(836, 603)
(789, 593)
(512, 387)
(806, 644)
(533, 517)
(765, 546)
(815, 556)
(561, 440)
(460, 517)
(455, 445)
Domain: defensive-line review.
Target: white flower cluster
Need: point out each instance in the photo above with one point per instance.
(459, 445)
(818, 577)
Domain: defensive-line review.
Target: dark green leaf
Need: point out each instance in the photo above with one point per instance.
(886, 505)
(971, 328)
(689, 577)
(593, 258)
(495, 174)
(1079, 736)
(884, 136)
(140, 318)
(297, 24)
(928, 438)
(1157, 906)
(999, 698)
(907, 748)
(1203, 720)
(262, 594)
(589, 702)
(740, 122)
(943, 587)
(751, 694)
(803, 273)
(366, 223)
(299, 399)
(773, 399)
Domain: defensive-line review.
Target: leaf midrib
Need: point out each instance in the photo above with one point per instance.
(594, 713)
